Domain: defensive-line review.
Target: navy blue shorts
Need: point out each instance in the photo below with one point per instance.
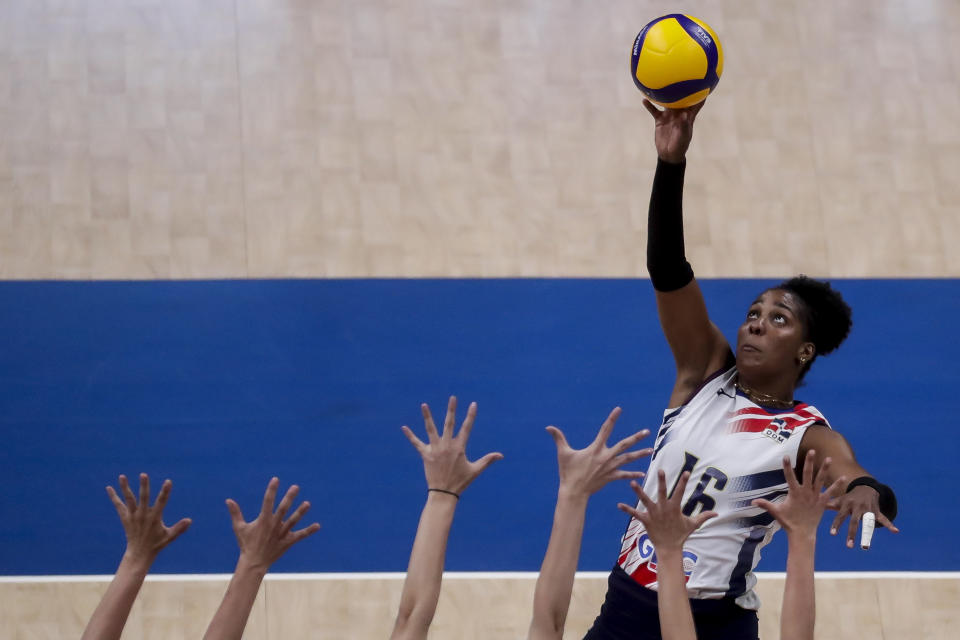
(629, 612)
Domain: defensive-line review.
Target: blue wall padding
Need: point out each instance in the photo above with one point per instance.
(219, 385)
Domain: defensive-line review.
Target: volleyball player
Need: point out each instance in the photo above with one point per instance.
(448, 473)
(799, 515)
(262, 541)
(146, 537)
(583, 472)
(732, 416)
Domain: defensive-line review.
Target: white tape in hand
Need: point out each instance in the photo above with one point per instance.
(867, 523)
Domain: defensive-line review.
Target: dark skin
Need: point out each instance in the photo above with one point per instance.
(772, 347)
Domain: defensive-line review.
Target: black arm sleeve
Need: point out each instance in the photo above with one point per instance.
(666, 262)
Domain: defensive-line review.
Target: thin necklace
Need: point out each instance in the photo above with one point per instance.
(764, 399)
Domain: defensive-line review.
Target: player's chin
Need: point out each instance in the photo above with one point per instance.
(752, 363)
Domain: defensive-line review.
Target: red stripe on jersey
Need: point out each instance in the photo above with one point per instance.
(756, 419)
(644, 576)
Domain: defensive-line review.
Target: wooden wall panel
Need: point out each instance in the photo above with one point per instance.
(289, 138)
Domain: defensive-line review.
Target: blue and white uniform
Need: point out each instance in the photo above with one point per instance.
(733, 449)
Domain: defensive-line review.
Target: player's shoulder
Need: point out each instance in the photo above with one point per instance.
(812, 415)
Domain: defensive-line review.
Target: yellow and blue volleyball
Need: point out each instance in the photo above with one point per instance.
(677, 61)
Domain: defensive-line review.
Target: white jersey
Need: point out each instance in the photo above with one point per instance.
(733, 449)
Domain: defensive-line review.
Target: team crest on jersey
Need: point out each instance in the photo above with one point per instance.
(778, 430)
(777, 427)
(645, 563)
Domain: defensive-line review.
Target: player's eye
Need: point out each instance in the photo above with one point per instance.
(753, 313)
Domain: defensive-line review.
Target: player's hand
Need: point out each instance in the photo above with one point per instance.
(673, 131)
(264, 540)
(143, 524)
(444, 455)
(800, 513)
(664, 521)
(583, 472)
(853, 505)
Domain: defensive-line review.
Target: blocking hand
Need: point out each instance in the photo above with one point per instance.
(665, 523)
(445, 462)
(801, 512)
(143, 524)
(586, 471)
(264, 540)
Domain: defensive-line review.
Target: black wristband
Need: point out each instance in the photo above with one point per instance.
(888, 500)
(666, 260)
(455, 495)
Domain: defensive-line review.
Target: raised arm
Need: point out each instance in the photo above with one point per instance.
(448, 473)
(146, 536)
(583, 472)
(799, 515)
(864, 494)
(262, 542)
(668, 528)
(698, 346)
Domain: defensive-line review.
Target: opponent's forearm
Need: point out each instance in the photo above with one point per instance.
(421, 589)
(231, 618)
(676, 618)
(551, 597)
(111, 614)
(799, 599)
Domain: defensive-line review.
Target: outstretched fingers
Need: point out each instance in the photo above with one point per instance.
(629, 441)
(449, 421)
(633, 456)
(429, 425)
(766, 505)
(843, 510)
(790, 475)
(295, 517)
(645, 500)
(823, 475)
(607, 427)
(236, 516)
(144, 490)
(128, 497)
(853, 526)
(836, 489)
(269, 496)
(418, 444)
(305, 533)
(467, 425)
(558, 438)
(677, 495)
(287, 500)
(117, 503)
(699, 519)
(882, 519)
(176, 530)
(164, 495)
(488, 460)
(628, 475)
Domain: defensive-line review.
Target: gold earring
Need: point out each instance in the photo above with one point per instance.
(803, 361)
